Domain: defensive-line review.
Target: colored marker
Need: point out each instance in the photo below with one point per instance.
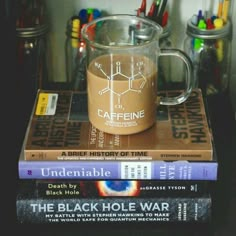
(200, 16)
(198, 43)
(90, 18)
(75, 33)
(83, 16)
(89, 11)
(218, 23)
(209, 24)
(213, 18)
(96, 13)
(201, 24)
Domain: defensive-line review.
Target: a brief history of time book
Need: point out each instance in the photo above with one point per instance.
(59, 130)
(33, 207)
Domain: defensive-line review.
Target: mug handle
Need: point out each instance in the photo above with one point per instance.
(188, 78)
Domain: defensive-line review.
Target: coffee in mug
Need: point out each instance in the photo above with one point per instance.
(130, 88)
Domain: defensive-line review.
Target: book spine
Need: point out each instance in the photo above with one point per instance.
(116, 155)
(104, 210)
(158, 170)
(114, 188)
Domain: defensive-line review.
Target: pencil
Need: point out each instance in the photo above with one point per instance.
(220, 8)
(225, 10)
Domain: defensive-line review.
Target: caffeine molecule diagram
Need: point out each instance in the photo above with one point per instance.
(136, 81)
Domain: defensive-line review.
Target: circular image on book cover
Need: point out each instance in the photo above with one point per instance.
(118, 188)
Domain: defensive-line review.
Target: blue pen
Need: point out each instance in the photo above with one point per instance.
(96, 13)
(83, 15)
(199, 16)
(213, 18)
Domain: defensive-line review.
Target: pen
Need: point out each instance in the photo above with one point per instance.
(213, 18)
(143, 7)
(218, 23)
(96, 13)
(152, 10)
(201, 24)
(75, 33)
(198, 43)
(199, 16)
(225, 10)
(220, 7)
(156, 9)
(140, 13)
(90, 18)
(165, 19)
(161, 10)
(83, 16)
(89, 15)
(209, 24)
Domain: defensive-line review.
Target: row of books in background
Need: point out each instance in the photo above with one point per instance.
(71, 172)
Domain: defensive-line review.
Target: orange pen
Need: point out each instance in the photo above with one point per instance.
(220, 8)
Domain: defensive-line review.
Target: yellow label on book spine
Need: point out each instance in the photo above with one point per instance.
(47, 103)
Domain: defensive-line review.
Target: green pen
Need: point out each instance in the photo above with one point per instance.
(198, 43)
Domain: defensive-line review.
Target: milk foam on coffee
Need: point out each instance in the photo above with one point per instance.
(122, 91)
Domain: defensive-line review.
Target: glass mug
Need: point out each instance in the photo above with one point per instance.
(122, 70)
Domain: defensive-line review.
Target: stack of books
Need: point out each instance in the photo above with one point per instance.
(69, 171)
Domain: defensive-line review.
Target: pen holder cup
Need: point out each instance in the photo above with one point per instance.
(32, 63)
(210, 52)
